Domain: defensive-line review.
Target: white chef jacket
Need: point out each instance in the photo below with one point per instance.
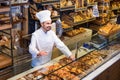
(42, 41)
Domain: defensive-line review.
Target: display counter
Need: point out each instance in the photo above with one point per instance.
(93, 63)
(102, 68)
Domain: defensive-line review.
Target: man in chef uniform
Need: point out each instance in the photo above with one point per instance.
(43, 41)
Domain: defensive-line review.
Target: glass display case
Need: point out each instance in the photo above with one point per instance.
(87, 63)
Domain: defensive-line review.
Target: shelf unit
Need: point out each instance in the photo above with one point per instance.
(21, 54)
(13, 20)
(69, 8)
(6, 30)
(85, 6)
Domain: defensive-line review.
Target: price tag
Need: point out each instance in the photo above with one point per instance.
(95, 11)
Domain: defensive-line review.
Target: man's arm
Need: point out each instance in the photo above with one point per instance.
(62, 47)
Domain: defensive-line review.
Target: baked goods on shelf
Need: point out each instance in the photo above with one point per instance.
(56, 6)
(103, 0)
(101, 21)
(66, 3)
(64, 25)
(90, 1)
(109, 29)
(78, 17)
(69, 3)
(79, 3)
(112, 14)
(83, 15)
(75, 32)
(67, 20)
(103, 7)
(3, 40)
(103, 15)
(5, 60)
(115, 5)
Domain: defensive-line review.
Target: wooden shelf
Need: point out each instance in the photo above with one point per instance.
(67, 8)
(80, 9)
(91, 4)
(115, 8)
(78, 23)
(4, 9)
(5, 26)
(54, 18)
(18, 21)
(68, 29)
(5, 61)
(50, 2)
(19, 4)
(4, 43)
(2, 1)
(113, 17)
(84, 21)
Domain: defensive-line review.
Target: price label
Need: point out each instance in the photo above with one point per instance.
(95, 11)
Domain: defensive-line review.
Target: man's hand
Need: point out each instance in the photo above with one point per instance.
(42, 53)
(72, 57)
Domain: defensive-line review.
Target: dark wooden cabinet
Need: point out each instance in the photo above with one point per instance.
(112, 73)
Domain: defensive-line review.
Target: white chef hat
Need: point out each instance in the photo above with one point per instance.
(43, 15)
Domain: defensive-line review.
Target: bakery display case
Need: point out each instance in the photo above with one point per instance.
(87, 63)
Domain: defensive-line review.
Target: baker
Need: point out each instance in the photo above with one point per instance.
(43, 41)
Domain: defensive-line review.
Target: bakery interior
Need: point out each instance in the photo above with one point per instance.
(89, 28)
